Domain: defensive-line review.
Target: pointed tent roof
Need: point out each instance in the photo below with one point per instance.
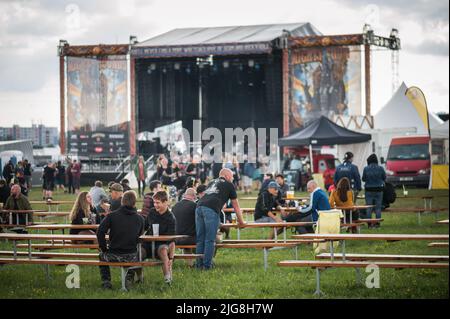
(400, 112)
(440, 131)
(323, 132)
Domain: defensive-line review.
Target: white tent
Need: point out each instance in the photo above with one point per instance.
(440, 131)
(399, 112)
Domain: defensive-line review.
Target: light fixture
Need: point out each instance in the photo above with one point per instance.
(366, 28)
(251, 63)
(176, 66)
(394, 33)
(133, 39)
(153, 66)
(226, 64)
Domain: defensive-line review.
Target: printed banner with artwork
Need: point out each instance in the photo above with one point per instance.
(97, 103)
(324, 81)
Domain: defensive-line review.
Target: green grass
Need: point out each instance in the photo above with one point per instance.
(239, 273)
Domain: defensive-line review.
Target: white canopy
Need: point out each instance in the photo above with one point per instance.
(440, 131)
(399, 112)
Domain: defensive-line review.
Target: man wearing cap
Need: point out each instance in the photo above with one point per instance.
(116, 196)
(268, 201)
(349, 170)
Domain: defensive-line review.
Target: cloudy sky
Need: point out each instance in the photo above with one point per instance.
(30, 31)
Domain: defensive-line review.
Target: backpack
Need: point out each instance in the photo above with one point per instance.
(389, 195)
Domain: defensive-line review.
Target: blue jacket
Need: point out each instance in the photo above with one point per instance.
(318, 202)
(249, 169)
(350, 171)
(374, 177)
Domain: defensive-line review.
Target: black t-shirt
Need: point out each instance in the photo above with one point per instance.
(191, 170)
(49, 174)
(218, 192)
(184, 212)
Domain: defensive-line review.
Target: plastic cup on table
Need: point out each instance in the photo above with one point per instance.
(155, 228)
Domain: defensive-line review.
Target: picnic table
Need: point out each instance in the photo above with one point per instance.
(52, 203)
(386, 237)
(351, 209)
(274, 225)
(12, 212)
(29, 237)
(300, 198)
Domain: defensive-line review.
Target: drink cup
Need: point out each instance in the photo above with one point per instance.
(155, 228)
(85, 220)
(405, 193)
(233, 218)
(290, 195)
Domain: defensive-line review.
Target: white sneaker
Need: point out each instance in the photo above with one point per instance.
(168, 279)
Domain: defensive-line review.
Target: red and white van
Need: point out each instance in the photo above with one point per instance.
(408, 161)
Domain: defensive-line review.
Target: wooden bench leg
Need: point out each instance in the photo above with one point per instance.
(358, 276)
(296, 252)
(419, 218)
(123, 273)
(47, 272)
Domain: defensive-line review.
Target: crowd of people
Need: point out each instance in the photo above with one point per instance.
(202, 193)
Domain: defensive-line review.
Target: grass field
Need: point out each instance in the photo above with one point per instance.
(239, 273)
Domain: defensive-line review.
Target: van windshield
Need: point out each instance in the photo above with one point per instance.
(408, 152)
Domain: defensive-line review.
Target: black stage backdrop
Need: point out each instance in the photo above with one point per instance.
(237, 91)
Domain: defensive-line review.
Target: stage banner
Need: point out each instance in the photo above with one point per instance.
(324, 81)
(97, 106)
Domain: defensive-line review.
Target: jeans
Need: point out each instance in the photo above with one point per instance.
(206, 224)
(374, 198)
(105, 272)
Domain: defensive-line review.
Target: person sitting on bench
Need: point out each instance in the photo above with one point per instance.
(318, 201)
(162, 218)
(268, 201)
(83, 213)
(17, 201)
(125, 226)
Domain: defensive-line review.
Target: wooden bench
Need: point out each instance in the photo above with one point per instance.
(379, 257)
(125, 266)
(438, 245)
(264, 245)
(78, 255)
(414, 210)
(321, 265)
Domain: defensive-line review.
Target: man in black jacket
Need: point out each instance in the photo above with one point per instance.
(268, 201)
(161, 217)
(125, 226)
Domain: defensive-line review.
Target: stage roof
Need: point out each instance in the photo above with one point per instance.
(219, 40)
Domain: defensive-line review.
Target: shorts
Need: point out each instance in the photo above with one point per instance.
(49, 186)
(158, 246)
(265, 219)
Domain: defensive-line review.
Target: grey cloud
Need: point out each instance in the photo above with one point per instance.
(430, 47)
(420, 10)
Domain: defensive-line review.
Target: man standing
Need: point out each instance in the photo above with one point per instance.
(76, 176)
(207, 219)
(27, 173)
(349, 170)
(125, 226)
(97, 193)
(17, 201)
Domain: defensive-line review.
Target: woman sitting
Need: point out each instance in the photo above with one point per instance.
(83, 213)
(342, 197)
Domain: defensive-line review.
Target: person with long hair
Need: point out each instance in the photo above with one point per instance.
(342, 196)
(83, 212)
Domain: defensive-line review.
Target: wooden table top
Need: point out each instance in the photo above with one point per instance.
(63, 226)
(354, 207)
(372, 236)
(259, 225)
(143, 238)
(445, 222)
(12, 211)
